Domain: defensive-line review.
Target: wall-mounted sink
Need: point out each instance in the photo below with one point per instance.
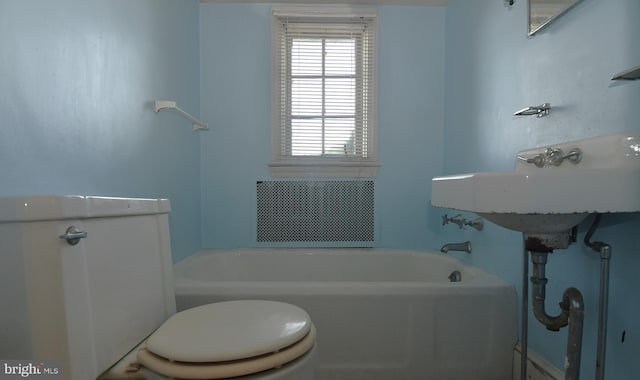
(552, 188)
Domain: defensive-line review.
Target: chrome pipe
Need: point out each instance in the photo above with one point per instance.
(524, 326)
(572, 299)
(572, 314)
(605, 255)
(538, 292)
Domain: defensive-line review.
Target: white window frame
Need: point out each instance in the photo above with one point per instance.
(283, 164)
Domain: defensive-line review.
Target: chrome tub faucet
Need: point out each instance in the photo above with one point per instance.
(462, 247)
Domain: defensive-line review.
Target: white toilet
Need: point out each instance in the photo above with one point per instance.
(90, 286)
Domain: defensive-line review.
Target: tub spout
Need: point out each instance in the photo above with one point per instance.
(462, 247)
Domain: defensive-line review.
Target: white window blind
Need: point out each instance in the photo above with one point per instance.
(324, 104)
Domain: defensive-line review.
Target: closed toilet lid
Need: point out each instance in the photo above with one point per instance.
(228, 369)
(229, 330)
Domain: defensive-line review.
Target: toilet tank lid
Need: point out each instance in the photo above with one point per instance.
(59, 207)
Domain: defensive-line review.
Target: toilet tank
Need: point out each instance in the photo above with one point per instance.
(84, 305)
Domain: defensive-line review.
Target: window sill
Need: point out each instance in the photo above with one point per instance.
(359, 169)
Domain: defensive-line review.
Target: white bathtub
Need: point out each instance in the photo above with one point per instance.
(380, 314)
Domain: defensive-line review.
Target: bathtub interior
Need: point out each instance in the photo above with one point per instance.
(321, 265)
(378, 326)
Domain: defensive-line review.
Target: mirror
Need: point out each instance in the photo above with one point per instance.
(542, 12)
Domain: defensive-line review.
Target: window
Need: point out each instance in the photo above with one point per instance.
(324, 101)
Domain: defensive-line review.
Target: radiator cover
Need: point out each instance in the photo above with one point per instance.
(315, 211)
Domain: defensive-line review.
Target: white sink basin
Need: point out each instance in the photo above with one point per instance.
(551, 199)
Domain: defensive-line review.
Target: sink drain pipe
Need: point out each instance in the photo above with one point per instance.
(605, 255)
(572, 314)
(572, 304)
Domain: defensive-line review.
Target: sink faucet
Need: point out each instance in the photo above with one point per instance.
(462, 247)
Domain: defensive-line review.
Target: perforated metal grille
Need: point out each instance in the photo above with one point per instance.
(315, 211)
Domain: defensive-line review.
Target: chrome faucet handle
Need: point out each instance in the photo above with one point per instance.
(538, 160)
(477, 223)
(574, 156)
(454, 219)
(555, 156)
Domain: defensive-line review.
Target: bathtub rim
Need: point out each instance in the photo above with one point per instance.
(185, 286)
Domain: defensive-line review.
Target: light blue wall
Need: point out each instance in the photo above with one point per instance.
(77, 81)
(236, 98)
(492, 70)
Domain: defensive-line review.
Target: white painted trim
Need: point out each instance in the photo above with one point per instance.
(323, 169)
(538, 368)
(436, 3)
(326, 166)
(293, 11)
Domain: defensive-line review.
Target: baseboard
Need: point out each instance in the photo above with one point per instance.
(538, 368)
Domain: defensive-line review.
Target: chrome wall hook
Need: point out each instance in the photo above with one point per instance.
(538, 111)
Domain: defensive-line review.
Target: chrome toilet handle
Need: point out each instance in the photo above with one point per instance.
(73, 235)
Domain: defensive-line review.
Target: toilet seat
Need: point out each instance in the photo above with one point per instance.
(228, 339)
(228, 369)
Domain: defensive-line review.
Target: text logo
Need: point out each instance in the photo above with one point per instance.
(30, 369)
